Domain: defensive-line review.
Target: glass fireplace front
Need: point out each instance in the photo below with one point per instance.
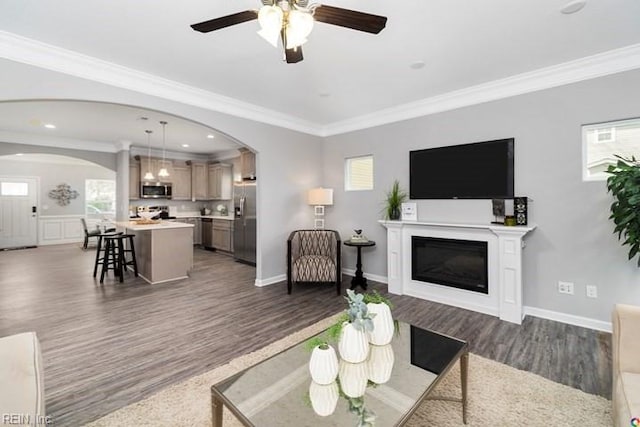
(460, 264)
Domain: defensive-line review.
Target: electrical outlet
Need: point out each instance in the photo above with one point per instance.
(592, 291)
(565, 288)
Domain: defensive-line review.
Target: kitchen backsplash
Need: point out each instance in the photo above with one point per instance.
(186, 206)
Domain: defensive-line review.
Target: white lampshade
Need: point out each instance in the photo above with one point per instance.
(270, 20)
(163, 173)
(320, 196)
(149, 176)
(299, 27)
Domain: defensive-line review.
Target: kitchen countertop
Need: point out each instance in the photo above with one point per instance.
(227, 218)
(187, 215)
(163, 225)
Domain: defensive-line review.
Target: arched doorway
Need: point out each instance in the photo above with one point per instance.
(115, 135)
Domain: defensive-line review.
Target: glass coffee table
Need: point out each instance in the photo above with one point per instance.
(399, 377)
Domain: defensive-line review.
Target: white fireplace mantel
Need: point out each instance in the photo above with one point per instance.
(504, 252)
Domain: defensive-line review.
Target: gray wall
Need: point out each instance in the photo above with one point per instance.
(52, 174)
(287, 161)
(574, 240)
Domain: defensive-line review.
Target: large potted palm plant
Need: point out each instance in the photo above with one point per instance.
(624, 184)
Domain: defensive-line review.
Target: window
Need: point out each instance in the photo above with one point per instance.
(100, 200)
(14, 189)
(358, 173)
(601, 143)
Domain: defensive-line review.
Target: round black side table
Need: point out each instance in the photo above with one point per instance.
(359, 279)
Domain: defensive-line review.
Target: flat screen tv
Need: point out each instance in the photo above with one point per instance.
(483, 170)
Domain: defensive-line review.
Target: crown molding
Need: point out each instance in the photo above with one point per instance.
(43, 55)
(590, 67)
(36, 53)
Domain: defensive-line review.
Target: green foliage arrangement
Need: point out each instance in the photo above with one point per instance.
(393, 201)
(376, 298)
(624, 185)
(317, 341)
(358, 312)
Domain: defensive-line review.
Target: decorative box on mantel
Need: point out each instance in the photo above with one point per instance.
(500, 264)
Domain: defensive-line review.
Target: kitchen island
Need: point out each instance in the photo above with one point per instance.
(164, 251)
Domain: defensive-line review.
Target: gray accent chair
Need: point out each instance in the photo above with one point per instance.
(313, 256)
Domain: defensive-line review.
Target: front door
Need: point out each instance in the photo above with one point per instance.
(18, 212)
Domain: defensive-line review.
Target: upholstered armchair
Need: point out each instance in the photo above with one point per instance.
(626, 364)
(313, 256)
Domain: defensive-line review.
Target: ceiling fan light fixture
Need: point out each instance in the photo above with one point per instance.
(299, 26)
(270, 19)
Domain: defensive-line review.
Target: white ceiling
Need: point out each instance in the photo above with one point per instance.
(345, 73)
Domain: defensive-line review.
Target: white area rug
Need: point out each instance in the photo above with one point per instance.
(499, 395)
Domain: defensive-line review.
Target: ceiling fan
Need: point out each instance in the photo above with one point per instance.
(292, 21)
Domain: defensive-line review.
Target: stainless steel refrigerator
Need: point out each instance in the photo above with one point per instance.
(244, 226)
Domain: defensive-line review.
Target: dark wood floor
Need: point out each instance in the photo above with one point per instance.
(107, 346)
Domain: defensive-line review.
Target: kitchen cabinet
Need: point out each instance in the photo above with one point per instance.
(199, 181)
(217, 234)
(247, 164)
(134, 180)
(197, 228)
(222, 231)
(219, 182)
(181, 179)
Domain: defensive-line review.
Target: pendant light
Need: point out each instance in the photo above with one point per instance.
(149, 175)
(163, 173)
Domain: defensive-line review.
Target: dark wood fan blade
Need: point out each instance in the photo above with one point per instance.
(293, 55)
(350, 18)
(225, 21)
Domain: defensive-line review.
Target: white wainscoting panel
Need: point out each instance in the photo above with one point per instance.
(59, 229)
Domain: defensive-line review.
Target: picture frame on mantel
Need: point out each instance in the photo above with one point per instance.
(409, 211)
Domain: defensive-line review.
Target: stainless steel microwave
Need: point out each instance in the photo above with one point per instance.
(155, 190)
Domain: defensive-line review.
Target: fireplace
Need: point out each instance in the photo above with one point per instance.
(450, 262)
(502, 246)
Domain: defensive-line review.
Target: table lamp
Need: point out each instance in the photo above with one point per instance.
(319, 198)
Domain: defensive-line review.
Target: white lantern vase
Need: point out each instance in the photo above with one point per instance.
(380, 363)
(323, 365)
(353, 344)
(324, 398)
(382, 333)
(353, 378)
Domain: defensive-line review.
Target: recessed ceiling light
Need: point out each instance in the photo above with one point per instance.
(210, 136)
(50, 126)
(417, 65)
(185, 145)
(19, 154)
(324, 94)
(573, 7)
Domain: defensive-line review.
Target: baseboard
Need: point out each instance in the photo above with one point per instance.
(271, 280)
(570, 319)
(282, 277)
(374, 277)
